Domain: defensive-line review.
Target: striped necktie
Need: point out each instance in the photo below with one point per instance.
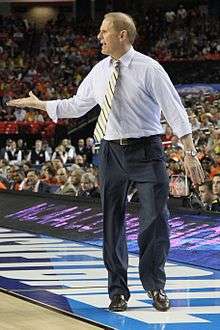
(100, 127)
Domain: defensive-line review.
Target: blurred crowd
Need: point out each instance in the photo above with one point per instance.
(181, 34)
(64, 170)
(69, 169)
(53, 62)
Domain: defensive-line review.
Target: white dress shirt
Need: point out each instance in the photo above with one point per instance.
(143, 90)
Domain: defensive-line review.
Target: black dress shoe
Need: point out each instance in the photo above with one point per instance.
(118, 304)
(160, 300)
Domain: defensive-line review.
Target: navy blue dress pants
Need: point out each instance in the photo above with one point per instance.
(143, 163)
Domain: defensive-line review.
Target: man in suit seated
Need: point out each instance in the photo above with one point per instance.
(33, 183)
(65, 187)
(88, 186)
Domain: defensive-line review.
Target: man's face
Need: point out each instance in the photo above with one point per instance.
(81, 143)
(65, 142)
(204, 194)
(75, 178)
(216, 186)
(79, 159)
(61, 176)
(38, 144)
(108, 37)
(89, 142)
(32, 178)
(86, 184)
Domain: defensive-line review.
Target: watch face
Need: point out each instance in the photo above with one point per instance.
(191, 153)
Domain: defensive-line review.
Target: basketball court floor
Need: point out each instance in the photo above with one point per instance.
(67, 278)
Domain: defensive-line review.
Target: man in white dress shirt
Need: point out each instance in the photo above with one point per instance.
(131, 151)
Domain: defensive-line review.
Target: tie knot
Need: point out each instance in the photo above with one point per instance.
(116, 63)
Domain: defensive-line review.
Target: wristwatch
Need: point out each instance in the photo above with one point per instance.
(192, 153)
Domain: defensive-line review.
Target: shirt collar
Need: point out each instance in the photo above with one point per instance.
(126, 58)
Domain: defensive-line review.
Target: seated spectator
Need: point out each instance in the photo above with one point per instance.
(17, 178)
(215, 167)
(75, 179)
(194, 123)
(65, 187)
(166, 138)
(79, 160)
(13, 155)
(5, 148)
(206, 195)
(80, 148)
(33, 183)
(216, 193)
(20, 114)
(38, 155)
(22, 145)
(2, 186)
(57, 164)
(88, 186)
(89, 151)
(60, 153)
(69, 149)
(49, 175)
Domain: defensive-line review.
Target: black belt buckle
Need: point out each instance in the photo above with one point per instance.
(123, 142)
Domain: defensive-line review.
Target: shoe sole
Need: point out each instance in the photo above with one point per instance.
(161, 309)
(118, 309)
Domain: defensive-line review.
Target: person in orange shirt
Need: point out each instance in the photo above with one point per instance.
(215, 168)
(2, 186)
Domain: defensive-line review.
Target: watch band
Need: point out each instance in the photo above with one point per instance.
(192, 153)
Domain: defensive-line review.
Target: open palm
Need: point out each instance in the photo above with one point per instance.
(31, 102)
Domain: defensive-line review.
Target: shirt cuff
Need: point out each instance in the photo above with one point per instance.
(182, 131)
(51, 107)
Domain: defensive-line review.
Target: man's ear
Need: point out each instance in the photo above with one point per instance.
(123, 35)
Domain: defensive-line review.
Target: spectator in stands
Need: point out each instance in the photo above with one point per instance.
(167, 137)
(79, 160)
(34, 184)
(13, 155)
(20, 115)
(48, 175)
(17, 178)
(88, 186)
(195, 123)
(75, 179)
(65, 187)
(80, 148)
(22, 145)
(206, 195)
(60, 153)
(2, 185)
(38, 155)
(89, 150)
(215, 167)
(57, 164)
(216, 192)
(69, 149)
(5, 148)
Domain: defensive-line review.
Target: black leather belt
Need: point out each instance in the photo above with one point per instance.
(129, 141)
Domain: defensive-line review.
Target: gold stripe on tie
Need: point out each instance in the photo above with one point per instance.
(101, 124)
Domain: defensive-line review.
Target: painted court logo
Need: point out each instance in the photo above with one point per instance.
(74, 272)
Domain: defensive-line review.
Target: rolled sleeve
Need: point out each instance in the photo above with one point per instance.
(169, 101)
(51, 107)
(76, 106)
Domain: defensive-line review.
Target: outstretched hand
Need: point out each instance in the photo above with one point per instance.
(30, 102)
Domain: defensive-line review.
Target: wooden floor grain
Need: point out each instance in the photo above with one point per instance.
(18, 314)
